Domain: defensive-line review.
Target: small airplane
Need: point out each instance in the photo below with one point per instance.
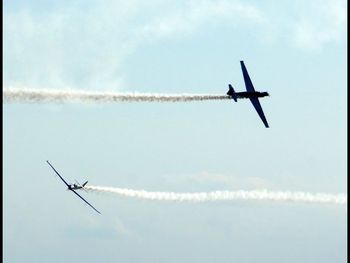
(249, 94)
(73, 187)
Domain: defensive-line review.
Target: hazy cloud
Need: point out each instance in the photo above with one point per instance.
(74, 47)
(322, 23)
(84, 45)
(201, 14)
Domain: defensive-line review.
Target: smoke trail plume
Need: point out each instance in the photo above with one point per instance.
(35, 95)
(225, 195)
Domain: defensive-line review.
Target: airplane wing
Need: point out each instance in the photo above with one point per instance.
(85, 201)
(250, 88)
(58, 174)
(248, 83)
(257, 106)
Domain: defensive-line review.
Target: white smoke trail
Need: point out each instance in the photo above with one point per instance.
(35, 95)
(225, 195)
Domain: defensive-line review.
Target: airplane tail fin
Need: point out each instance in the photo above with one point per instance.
(85, 183)
(231, 92)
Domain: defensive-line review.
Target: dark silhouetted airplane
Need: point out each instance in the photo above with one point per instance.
(249, 94)
(72, 187)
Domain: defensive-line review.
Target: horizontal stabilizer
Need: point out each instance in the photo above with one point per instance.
(231, 92)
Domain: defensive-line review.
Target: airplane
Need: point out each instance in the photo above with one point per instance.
(249, 94)
(73, 187)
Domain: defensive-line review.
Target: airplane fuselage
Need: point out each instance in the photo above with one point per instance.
(248, 94)
(74, 187)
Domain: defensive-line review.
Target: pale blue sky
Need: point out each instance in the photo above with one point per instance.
(295, 50)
